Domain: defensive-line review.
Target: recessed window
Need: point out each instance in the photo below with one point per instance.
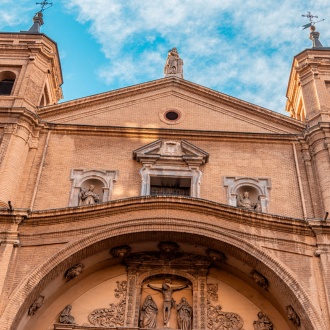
(7, 80)
(170, 186)
(172, 115)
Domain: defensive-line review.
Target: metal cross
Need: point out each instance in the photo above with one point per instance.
(44, 5)
(311, 22)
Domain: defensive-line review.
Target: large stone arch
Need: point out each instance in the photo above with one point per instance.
(160, 228)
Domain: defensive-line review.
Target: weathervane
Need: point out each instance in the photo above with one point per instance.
(44, 5)
(311, 22)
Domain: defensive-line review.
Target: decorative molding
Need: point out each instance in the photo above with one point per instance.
(216, 255)
(217, 319)
(212, 292)
(113, 316)
(120, 251)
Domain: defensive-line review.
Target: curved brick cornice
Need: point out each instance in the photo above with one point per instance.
(287, 285)
(189, 204)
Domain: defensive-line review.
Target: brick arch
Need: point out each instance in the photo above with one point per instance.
(98, 241)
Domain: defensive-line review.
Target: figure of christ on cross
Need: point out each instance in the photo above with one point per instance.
(169, 302)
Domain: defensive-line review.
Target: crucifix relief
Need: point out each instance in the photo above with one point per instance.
(168, 302)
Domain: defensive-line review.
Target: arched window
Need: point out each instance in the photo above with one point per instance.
(7, 79)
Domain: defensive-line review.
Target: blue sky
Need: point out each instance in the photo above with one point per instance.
(243, 48)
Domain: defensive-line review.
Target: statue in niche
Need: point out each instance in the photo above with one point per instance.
(168, 302)
(245, 202)
(66, 317)
(184, 314)
(149, 311)
(36, 305)
(173, 63)
(88, 197)
(263, 322)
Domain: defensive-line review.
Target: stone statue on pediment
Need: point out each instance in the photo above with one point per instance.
(173, 65)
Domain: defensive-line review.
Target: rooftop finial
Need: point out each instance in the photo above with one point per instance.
(38, 17)
(314, 35)
(44, 5)
(173, 65)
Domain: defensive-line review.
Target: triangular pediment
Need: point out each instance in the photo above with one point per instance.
(171, 151)
(146, 105)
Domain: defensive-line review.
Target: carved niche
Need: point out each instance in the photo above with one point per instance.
(248, 193)
(97, 183)
(170, 168)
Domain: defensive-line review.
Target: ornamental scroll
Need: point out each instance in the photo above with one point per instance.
(114, 315)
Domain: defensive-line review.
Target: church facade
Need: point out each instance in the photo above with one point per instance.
(164, 205)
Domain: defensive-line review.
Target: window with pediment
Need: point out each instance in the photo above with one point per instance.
(170, 168)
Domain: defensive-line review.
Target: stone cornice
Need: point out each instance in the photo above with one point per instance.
(167, 133)
(271, 222)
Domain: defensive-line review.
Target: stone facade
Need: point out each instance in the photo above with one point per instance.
(203, 212)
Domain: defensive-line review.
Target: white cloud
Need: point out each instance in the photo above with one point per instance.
(242, 48)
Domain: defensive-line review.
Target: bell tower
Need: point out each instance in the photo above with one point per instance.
(30, 78)
(308, 96)
(308, 92)
(30, 70)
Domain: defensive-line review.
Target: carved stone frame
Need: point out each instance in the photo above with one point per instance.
(79, 176)
(169, 158)
(195, 275)
(262, 185)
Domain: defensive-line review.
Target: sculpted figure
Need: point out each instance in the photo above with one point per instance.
(74, 272)
(148, 317)
(263, 322)
(88, 197)
(173, 63)
(36, 305)
(184, 315)
(245, 201)
(66, 317)
(293, 316)
(169, 302)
